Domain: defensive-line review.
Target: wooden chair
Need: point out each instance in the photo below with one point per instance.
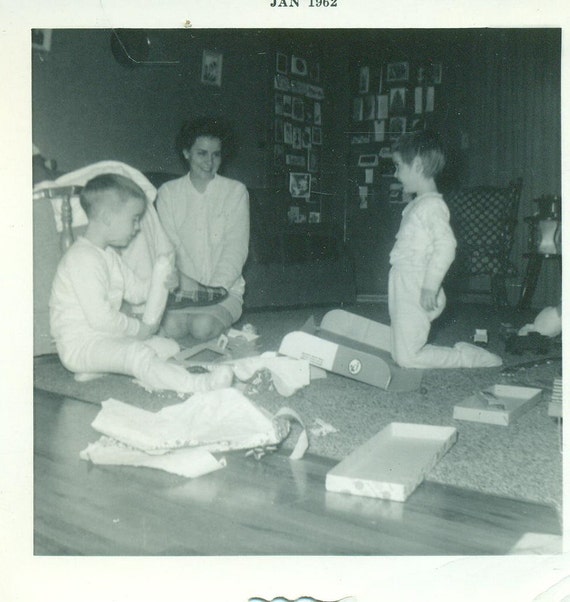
(484, 219)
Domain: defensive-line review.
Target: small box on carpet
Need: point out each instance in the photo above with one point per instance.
(351, 346)
(393, 463)
(499, 404)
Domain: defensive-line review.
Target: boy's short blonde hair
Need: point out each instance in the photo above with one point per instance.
(424, 144)
(95, 192)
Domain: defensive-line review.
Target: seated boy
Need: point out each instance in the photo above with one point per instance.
(423, 252)
(91, 333)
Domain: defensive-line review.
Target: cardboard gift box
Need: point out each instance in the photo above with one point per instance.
(352, 346)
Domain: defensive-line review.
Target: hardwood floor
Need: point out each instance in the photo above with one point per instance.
(272, 506)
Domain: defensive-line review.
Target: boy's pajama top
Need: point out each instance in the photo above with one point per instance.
(92, 334)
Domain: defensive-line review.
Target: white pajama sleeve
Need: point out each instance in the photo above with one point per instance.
(235, 244)
(136, 288)
(443, 242)
(90, 283)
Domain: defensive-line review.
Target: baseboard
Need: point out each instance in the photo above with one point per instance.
(376, 298)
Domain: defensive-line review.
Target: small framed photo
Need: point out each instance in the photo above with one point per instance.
(314, 217)
(317, 136)
(41, 39)
(432, 73)
(288, 132)
(418, 100)
(317, 113)
(293, 215)
(430, 99)
(287, 105)
(281, 82)
(364, 80)
(370, 160)
(212, 68)
(281, 63)
(368, 107)
(299, 66)
(398, 72)
(397, 100)
(307, 138)
(379, 130)
(300, 185)
(295, 160)
(298, 109)
(397, 127)
(297, 138)
(382, 106)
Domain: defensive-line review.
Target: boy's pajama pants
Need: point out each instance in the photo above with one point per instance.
(145, 360)
(410, 326)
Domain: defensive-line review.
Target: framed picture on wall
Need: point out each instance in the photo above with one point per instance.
(317, 136)
(287, 105)
(398, 72)
(298, 111)
(300, 185)
(317, 113)
(288, 132)
(281, 63)
(212, 68)
(364, 80)
(397, 127)
(298, 66)
(297, 138)
(397, 100)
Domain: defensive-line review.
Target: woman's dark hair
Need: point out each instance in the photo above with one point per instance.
(210, 127)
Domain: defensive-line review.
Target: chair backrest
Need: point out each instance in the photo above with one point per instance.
(484, 219)
(46, 255)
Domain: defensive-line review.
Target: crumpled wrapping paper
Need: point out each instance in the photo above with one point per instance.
(213, 421)
(288, 374)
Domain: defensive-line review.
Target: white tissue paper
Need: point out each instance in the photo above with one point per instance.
(158, 293)
(213, 421)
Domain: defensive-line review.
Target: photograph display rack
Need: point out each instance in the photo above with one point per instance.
(297, 134)
(388, 99)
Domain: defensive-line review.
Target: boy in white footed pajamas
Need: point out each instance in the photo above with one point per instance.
(91, 333)
(423, 252)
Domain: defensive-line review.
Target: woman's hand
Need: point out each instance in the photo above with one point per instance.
(172, 281)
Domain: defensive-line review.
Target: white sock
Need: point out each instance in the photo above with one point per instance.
(476, 357)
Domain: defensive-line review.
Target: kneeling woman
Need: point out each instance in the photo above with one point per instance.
(206, 216)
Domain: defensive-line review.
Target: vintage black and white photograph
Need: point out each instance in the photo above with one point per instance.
(190, 397)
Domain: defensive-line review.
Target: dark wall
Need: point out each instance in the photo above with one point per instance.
(88, 107)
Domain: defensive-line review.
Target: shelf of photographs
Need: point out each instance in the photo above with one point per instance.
(388, 100)
(297, 134)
